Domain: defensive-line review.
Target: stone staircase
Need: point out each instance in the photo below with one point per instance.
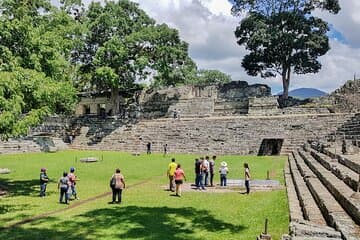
(349, 129)
(19, 146)
(321, 190)
(219, 135)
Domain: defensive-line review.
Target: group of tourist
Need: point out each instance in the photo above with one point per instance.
(66, 185)
(204, 177)
(204, 174)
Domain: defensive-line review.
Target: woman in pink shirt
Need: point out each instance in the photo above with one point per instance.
(179, 176)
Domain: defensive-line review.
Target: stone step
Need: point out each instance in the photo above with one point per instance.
(342, 193)
(307, 230)
(352, 162)
(333, 212)
(296, 213)
(309, 207)
(344, 173)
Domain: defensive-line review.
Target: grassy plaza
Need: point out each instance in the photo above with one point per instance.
(147, 211)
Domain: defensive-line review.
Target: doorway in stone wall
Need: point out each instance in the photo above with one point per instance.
(270, 146)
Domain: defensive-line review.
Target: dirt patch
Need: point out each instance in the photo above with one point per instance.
(189, 187)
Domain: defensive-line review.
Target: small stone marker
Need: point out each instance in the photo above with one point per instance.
(88, 159)
(4, 171)
(265, 235)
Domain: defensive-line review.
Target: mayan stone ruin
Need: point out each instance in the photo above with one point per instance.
(237, 118)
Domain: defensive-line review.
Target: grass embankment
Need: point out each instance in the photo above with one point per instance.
(147, 212)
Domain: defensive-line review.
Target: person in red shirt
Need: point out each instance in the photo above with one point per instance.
(179, 176)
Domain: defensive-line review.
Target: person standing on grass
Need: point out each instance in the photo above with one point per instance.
(212, 172)
(63, 186)
(72, 179)
(165, 149)
(179, 179)
(197, 172)
(148, 148)
(206, 170)
(44, 179)
(170, 173)
(247, 177)
(119, 184)
(223, 173)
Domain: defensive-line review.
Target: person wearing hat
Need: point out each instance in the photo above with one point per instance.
(223, 173)
(72, 183)
(44, 179)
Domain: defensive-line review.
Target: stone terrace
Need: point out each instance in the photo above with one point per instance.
(322, 193)
(219, 135)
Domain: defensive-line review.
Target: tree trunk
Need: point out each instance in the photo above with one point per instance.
(286, 82)
(115, 101)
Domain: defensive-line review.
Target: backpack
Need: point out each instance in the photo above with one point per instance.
(112, 182)
(64, 183)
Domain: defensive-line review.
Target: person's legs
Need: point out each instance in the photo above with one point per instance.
(171, 183)
(221, 179)
(113, 195)
(177, 189)
(197, 180)
(247, 185)
(212, 179)
(42, 189)
(66, 196)
(119, 192)
(73, 191)
(61, 195)
(225, 179)
(206, 179)
(202, 181)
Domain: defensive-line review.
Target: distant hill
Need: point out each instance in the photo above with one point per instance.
(303, 93)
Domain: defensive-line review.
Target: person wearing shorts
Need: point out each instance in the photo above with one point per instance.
(179, 176)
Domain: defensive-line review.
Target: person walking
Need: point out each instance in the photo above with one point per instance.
(117, 185)
(212, 170)
(63, 186)
(44, 179)
(72, 180)
(223, 173)
(170, 173)
(247, 177)
(202, 174)
(179, 179)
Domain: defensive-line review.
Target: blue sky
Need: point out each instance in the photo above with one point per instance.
(208, 27)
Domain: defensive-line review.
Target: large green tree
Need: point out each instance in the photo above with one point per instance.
(282, 36)
(36, 41)
(124, 46)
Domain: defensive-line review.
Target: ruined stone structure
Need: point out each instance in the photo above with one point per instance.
(344, 99)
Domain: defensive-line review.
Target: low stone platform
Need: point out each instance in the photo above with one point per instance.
(5, 171)
(88, 160)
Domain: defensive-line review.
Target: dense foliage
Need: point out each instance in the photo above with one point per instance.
(51, 49)
(282, 36)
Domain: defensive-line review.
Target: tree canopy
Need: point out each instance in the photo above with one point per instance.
(124, 45)
(283, 36)
(36, 41)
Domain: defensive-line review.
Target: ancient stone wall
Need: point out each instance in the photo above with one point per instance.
(218, 135)
(201, 101)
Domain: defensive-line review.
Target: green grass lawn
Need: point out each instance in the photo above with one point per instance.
(147, 212)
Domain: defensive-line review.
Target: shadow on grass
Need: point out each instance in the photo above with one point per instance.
(130, 222)
(23, 187)
(155, 222)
